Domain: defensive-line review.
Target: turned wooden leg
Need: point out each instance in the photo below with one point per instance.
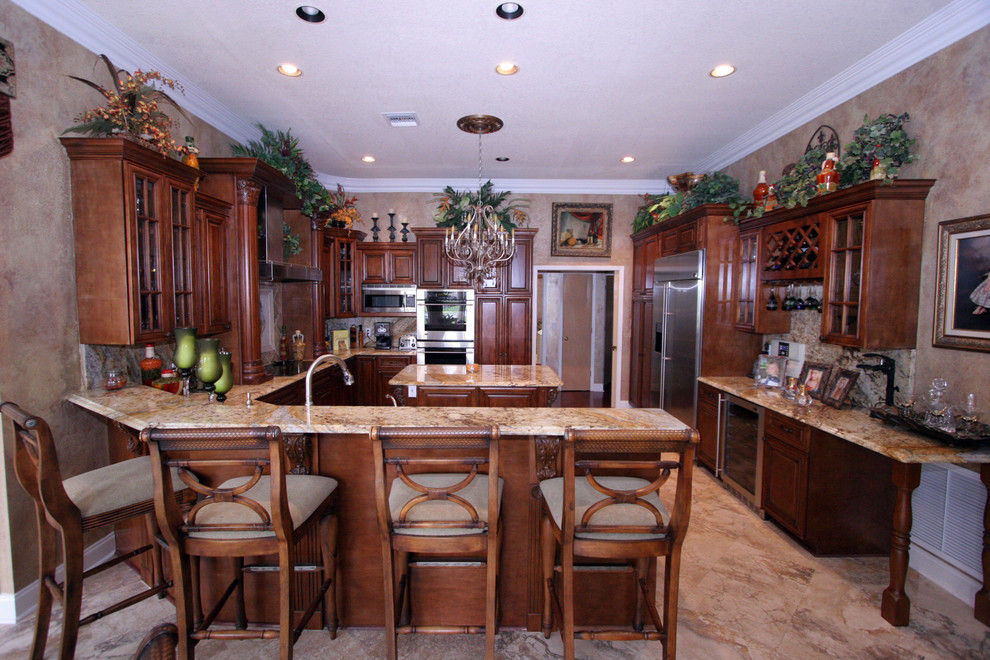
(895, 605)
(981, 609)
(548, 545)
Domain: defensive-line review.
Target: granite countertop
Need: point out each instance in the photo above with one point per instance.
(491, 375)
(138, 407)
(854, 425)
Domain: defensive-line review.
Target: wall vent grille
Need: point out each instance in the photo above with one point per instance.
(948, 515)
(401, 119)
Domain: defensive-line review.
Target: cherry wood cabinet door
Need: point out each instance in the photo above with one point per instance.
(518, 341)
(402, 266)
(785, 484)
(446, 396)
(372, 266)
(509, 397)
(488, 329)
(707, 425)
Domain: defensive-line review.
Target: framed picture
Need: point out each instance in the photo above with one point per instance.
(838, 389)
(776, 369)
(340, 340)
(815, 376)
(962, 303)
(581, 230)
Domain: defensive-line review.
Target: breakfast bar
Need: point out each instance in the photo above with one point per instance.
(334, 441)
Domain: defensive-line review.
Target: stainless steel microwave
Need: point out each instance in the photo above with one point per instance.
(388, 298)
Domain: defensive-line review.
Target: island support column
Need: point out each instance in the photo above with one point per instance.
(895, 606)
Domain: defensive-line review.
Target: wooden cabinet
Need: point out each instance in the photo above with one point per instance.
(836, 497)
(386, 263)
(724, 351)
(386, 368)
(865, 241)
(751, 297)
(435, 270)
(484, 397)
(216, 266)
(340, 258)
(133, 212)
(707, 425)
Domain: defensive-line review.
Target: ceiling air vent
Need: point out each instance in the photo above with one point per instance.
(401, 119)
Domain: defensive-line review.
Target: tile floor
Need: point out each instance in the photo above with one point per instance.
(747, 591)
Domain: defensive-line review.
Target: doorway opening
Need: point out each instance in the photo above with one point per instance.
(576, 331)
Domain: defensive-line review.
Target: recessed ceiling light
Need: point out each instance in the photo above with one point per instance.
(506, 69)
(502, 159)
(627, 159)
(290, 70)
(310, 14)
(509, 10)
(722, 70)
(368, 159)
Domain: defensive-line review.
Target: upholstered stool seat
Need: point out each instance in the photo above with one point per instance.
(618, 515)
(68, 508)
(475, 494)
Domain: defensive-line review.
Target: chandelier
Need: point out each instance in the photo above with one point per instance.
(482, 242)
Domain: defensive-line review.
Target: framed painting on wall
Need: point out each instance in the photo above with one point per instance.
(962, 302)
(581, 230)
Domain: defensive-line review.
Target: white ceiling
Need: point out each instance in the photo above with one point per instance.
(598, 80)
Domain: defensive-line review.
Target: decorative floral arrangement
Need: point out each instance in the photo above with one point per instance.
(344, 213)
(454, 208)
(132, 109)
(290, 242)
(714, 188)
(280, 149)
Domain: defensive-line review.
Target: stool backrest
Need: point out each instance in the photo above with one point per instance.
(205, 459)
(592, 454)
(36, 464)
(414, 450)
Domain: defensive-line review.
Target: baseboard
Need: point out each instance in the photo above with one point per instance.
(623, 403)
(22, 604)
(960, 584)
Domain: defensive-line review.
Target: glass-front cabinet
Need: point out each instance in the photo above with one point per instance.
(183, 266)
(841, 323)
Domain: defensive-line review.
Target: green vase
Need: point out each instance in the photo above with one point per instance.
(222, 386)
(208, 369)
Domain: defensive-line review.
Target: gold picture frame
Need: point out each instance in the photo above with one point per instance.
(581, 230)
(962, 303)
(815, 376)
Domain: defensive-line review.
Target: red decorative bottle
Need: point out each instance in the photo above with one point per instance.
(771, 201)
(761, 189)
(151, 366)
(828, 178)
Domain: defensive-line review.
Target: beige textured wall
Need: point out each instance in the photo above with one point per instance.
(39, 333)
(947, 96)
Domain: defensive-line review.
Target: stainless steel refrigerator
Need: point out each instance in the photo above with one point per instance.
(678, 301)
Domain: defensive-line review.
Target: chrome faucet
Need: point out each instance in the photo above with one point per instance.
(886, 367)
(348, 378)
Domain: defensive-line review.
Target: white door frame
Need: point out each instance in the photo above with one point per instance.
(618, 313)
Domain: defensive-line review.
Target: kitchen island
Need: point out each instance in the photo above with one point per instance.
(333, 441)
(490, 385)
(907, 451)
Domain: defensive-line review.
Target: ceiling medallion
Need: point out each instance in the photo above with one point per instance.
(479, 124)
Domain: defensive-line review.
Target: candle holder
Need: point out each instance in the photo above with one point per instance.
(405, 232)
(185, 355)
(208, 369)
(374, 227)
(391, 227)
(222, 386)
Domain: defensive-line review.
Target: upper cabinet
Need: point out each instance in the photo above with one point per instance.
(865, 242)
(386, 263)
(435, 270)
(136, 244)
(339, 264)
(216, 265)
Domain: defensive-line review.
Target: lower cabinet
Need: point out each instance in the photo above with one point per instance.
(483, 397)
(707, 425)
(371, 375)
(836, 497)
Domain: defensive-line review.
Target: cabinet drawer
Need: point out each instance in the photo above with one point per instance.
(393, 363)
(709, 394)
(786, 430)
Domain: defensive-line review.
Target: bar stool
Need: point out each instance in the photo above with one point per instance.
(434, 498)
(67, 509)
(256, 510)
(603, 507)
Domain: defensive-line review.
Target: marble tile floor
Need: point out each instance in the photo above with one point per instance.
(747, 591)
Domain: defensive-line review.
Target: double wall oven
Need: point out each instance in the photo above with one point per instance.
(444, 326)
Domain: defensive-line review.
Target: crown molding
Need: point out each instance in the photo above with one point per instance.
(517, 186)
(943, 28)
(78, 22)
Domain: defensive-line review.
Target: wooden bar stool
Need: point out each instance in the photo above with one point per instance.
(247, 507)
(438, 494)
(607, 506)
(67, 509)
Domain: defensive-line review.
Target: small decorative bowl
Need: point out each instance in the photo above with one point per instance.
(685, 182)
(114, 380)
